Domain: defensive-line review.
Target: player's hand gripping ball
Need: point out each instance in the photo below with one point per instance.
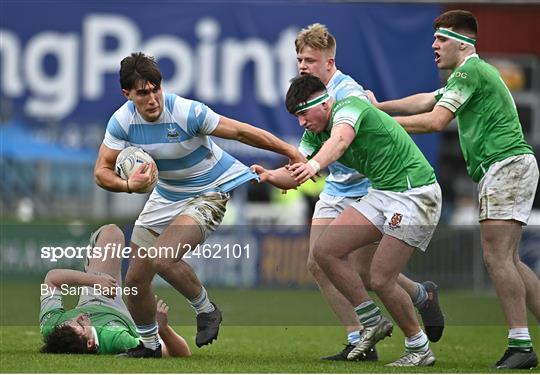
(130, 159)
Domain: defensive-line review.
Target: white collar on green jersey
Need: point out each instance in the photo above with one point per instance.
(468, 57)
(95, 337)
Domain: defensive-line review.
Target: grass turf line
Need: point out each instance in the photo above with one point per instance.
(278, 331)
(248, 349)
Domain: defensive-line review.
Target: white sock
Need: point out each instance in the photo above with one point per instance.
(201, 303)
(519, 338)
(149, 335)
(417, 343)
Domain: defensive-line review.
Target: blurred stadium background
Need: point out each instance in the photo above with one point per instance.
(59, 86)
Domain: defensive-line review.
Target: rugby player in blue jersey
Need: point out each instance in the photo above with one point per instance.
(194, 180)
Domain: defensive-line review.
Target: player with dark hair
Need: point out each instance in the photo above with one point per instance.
(498, 158)
(316, 55)
(400, 210)
(101, 323)
(189, 201)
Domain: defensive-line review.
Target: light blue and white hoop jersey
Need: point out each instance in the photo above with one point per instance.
(188, 161)
(343, 181)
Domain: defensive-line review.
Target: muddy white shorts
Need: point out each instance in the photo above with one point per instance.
(410, 216)
(91, 296)
(507, 189)
(206, 209)
(330, 206)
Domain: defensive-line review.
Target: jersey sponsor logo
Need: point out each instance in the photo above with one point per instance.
(343, 102)
(459, 75)
(395, 221)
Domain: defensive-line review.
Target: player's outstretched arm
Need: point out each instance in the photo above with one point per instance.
(107, 178)
(434, 121)
(341, 137)
(280, 178)
(256, 137)
(174, 344)
(410, 105)
(58, 277)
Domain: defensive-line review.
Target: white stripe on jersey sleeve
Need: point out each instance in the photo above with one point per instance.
(440, 91)
(211, 120)
(343, 119)
(124, 117)
(181, 111)
(304, 151)
(114, 143)
(452, 100)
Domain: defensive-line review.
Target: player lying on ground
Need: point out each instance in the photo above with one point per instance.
(101, 323)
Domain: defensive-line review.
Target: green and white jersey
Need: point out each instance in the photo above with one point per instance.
(115, 332)
(381, 150)
(488, 122)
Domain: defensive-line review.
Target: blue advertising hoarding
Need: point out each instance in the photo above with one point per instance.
(59, 62)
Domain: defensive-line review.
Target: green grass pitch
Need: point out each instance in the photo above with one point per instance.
(264, 331)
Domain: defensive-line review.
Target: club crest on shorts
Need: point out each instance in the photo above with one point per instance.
(395, 221)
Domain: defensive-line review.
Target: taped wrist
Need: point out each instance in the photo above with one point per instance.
(315, 165)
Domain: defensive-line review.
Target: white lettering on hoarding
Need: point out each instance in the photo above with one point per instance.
(208, 31)
(214, 69)
(98, 61)
(10, 80)
(180, 53)
(54, 94)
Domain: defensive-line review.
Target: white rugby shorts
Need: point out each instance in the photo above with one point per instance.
(206, 209)
(508, 188)
(330, 206)
(410, 216)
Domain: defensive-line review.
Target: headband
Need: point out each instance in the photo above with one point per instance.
(456, 36)
(311, 103)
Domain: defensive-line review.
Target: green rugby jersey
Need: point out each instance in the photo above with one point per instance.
(488, 123)
(116, 332)
(381, 150)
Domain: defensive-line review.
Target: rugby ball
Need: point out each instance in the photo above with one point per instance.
(129, 160)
